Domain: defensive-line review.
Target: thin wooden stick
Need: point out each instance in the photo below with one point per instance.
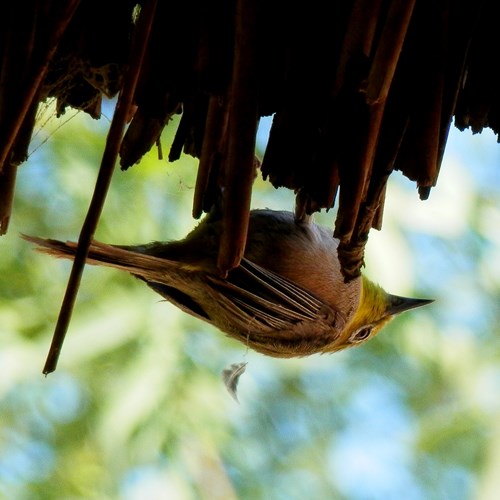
(7, 185)
(388, 50)
(365, 120)
(425, 126)
(243, 121)
(358, 38)
(211, 145)
(108, 161)
(354, 183)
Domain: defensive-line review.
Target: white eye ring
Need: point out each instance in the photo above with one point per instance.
(361, 334)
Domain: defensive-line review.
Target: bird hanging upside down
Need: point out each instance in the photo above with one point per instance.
(287, 298)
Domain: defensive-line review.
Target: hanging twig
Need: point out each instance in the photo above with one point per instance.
(243, 120)
(388, 50)
(108, 161)
(211, 149)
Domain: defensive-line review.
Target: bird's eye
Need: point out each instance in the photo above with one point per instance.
(362, 334)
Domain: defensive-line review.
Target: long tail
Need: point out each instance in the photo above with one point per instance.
(146, 266)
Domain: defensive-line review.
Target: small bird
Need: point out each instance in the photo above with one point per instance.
(287, 298)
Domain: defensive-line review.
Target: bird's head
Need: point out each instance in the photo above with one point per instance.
(376, 309)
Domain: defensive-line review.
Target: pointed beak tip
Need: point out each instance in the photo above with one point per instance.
(400, 304)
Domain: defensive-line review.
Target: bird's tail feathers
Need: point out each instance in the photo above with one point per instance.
(124, 258)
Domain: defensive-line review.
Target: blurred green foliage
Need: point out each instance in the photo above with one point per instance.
(137, 408)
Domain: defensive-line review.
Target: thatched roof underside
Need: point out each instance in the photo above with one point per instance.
(357, 88)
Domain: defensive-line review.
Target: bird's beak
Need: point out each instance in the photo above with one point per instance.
(396, 304)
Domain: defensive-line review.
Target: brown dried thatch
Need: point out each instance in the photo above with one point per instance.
(358, 89)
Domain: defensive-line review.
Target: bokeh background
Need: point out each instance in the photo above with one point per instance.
(137, 408)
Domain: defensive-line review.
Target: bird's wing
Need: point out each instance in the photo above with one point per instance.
(273, 313)
(262, 309)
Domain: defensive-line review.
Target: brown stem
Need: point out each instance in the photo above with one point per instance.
(358, 39)
(108, 161)
(7, 185)
(388, 50)
(239, 166)
(354, 182)
(210, 147)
